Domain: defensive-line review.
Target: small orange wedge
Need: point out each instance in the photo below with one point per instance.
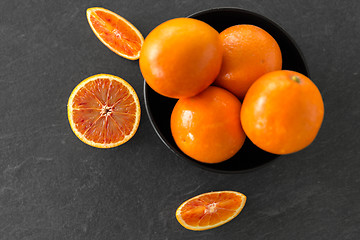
(104, 111)
(210, 210)
(115, 32)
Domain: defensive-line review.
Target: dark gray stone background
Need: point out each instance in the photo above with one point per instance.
(53, 186)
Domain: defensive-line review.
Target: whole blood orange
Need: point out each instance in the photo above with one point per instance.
(181, 57)
(210, 210)
(115, 32)
(104, 111)
(249, 52)
(207, 126)
(282, 112)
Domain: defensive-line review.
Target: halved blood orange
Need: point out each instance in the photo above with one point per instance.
(118, 34)
(104, 111)
(210, 210)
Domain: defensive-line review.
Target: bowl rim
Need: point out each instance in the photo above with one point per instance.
(162, 137)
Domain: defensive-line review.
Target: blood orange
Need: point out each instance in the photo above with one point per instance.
(104, 111)
(282, 112)
(181, 57)
(118, 34)
(249, 53)
(210, 210)
(207, 126)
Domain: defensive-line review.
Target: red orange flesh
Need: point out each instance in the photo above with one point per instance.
(104, 111)
(210, 210)
(115, 32)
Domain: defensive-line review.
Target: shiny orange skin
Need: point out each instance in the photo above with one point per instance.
(207, 126)
(249, 53)
(282, 112)
(181, 57)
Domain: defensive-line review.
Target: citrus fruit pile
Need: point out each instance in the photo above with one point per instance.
(211, 74)
(281, 110)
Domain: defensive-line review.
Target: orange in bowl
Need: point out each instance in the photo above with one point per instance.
(181, 57)
(249, 53)
(207, 126)
(282, 112)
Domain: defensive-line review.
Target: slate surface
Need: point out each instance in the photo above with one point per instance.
(52, 186)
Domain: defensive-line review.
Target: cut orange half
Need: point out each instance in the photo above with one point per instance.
(117, 33)
(104, 111)
(210, 210)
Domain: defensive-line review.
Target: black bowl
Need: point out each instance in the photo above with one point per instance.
(159, 108)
